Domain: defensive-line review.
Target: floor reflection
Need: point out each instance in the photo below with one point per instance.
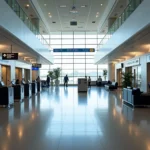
(61, 118)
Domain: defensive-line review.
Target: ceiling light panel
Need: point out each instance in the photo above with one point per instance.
(62, 6)
(65, 10)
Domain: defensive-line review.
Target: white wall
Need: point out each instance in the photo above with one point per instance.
(13, 24)
(136, 22)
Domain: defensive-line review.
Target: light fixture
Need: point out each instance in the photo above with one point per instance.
(101, 4)
(49, 13)
(27, 5)
(97, 13)
(50, 16)
(45, 4)
(97, 16)
(83, 6)
(63, 6)
(73, 10)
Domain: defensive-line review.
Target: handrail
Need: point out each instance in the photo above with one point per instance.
(133, 4)
(24, 17)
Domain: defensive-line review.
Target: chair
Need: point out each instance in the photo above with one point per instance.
(112, 86)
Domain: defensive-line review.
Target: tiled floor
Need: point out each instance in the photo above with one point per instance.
(63, 119)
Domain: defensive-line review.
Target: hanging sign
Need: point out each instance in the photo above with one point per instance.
(75, 50)
(9, 56)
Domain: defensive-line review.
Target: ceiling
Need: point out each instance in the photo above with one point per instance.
(58, 15)
(137, 45)
(25, 53)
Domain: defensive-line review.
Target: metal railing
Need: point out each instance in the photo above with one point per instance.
(24, 17)
(133, 4)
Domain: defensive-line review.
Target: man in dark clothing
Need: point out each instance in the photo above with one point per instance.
(48, 80)
(66, 79)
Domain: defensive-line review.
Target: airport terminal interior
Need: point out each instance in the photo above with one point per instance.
(74, 75)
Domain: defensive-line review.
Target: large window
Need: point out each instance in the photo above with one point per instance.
(75, 65)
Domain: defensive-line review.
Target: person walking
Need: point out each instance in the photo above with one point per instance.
(66, 79)
(48, 80)
(89, 82)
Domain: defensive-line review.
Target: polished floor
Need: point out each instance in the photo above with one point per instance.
(62, 119)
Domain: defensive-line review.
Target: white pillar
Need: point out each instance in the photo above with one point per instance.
(111, 71)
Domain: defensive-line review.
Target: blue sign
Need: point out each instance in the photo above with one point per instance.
(74, 50)
(35, 68)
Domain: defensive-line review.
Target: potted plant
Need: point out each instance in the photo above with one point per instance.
(105, 74)
(127, 79)
(57, 75)
(51, 75)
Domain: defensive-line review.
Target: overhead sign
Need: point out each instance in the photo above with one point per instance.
(133, 62)
(35, 68)
(37, 65)
(9, 56)
(74, 50)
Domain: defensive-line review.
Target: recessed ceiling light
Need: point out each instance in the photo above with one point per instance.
(83, 6)
(53, 22)
(97, 16)
(45, 4)
(49, 13)
(97, 13)
(27, 5)
(101, 4)
(50, 16)
(63, 6)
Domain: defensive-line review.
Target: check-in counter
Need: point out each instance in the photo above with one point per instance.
(6, 96)
(34, 87)
(39, 86)
(27, 89)
(18, 92)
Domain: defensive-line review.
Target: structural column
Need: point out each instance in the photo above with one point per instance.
(111, 71)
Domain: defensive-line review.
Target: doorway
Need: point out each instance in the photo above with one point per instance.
(18, 74)
(148, 76)
(27, 74)
(119, 77)
(6, 75)
(135, 76)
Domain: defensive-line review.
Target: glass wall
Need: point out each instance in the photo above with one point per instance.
(78, 64)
